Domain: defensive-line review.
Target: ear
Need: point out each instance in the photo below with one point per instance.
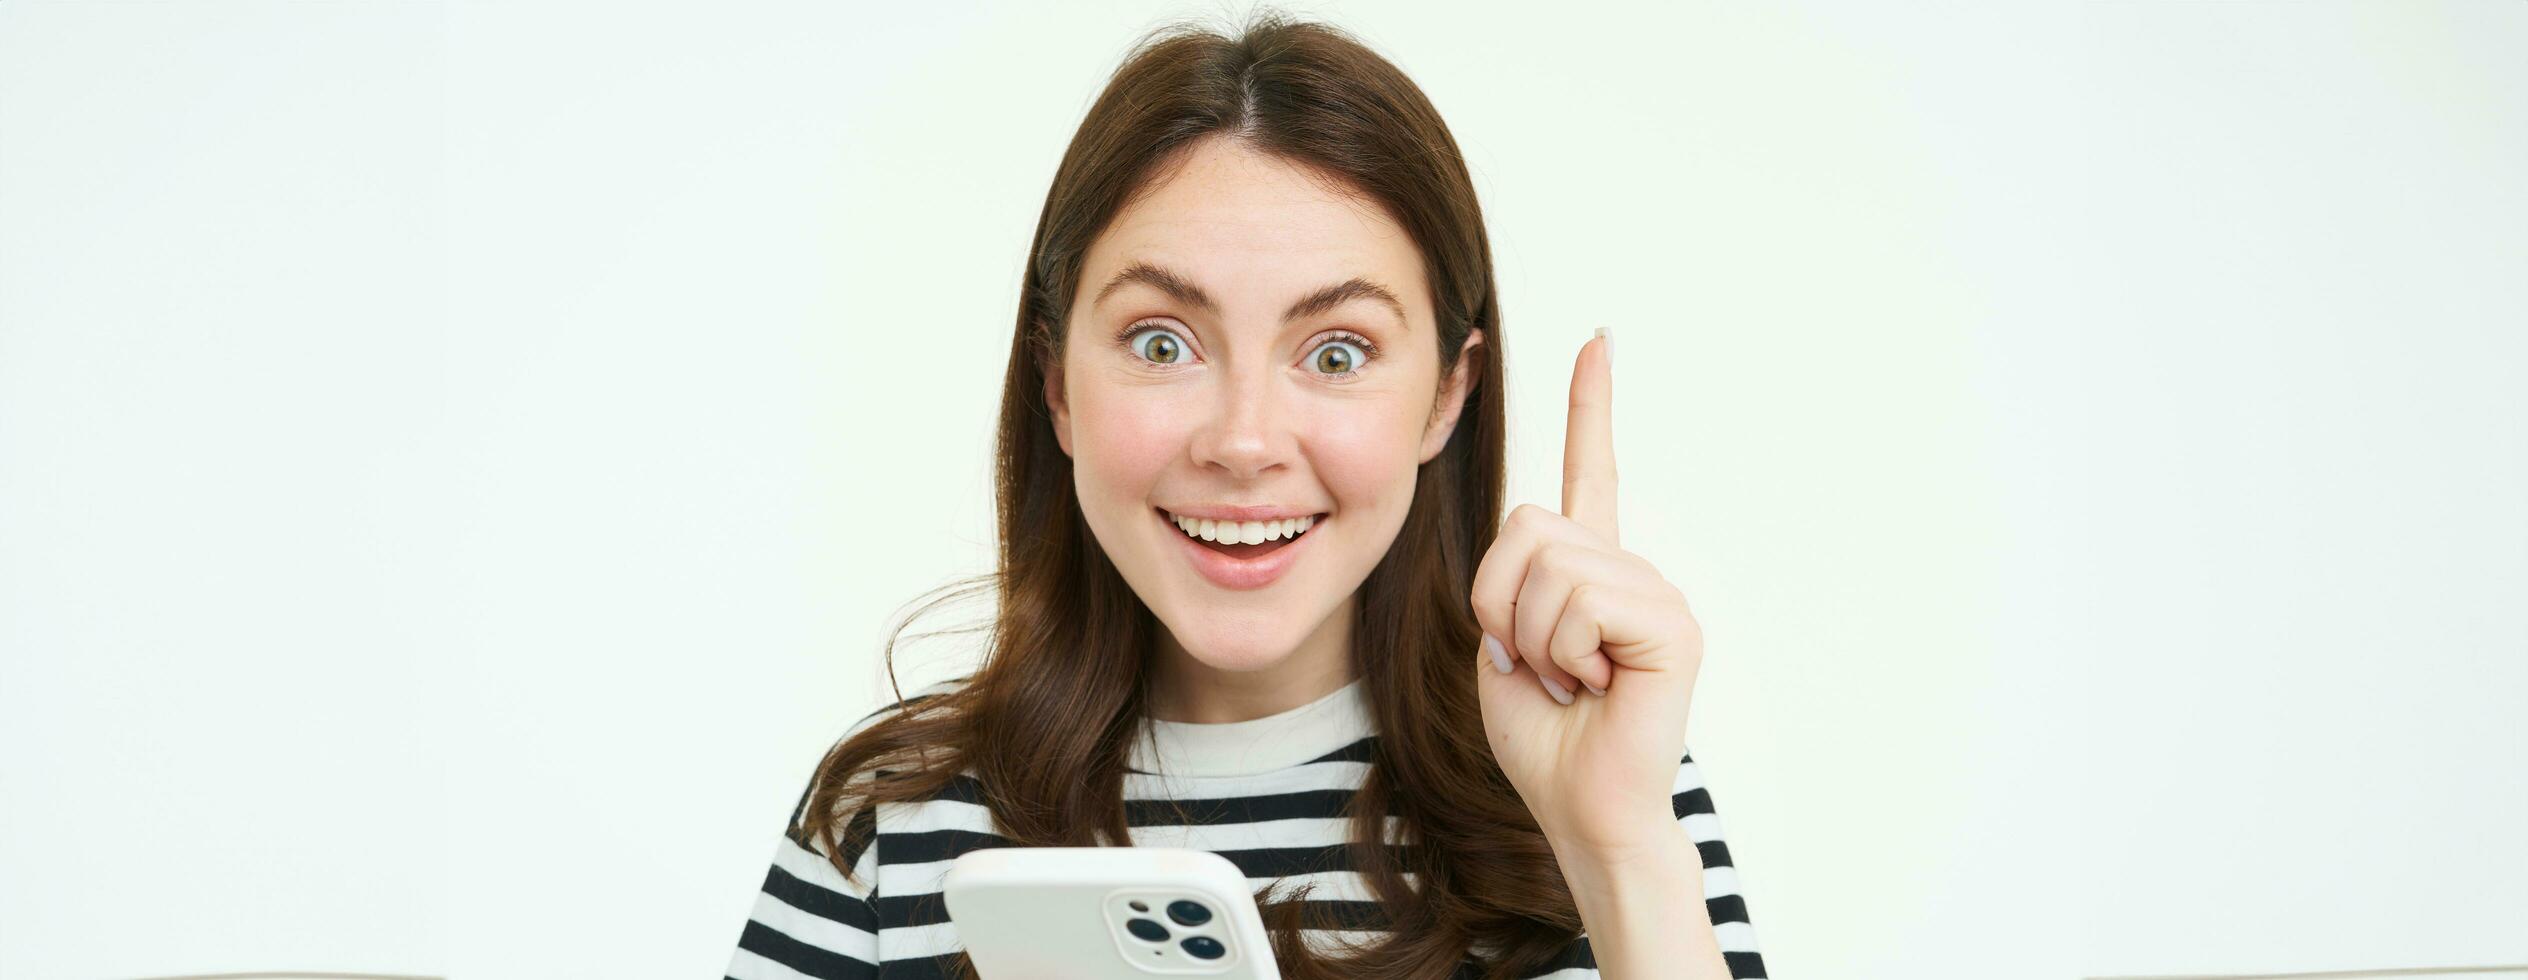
(1056, 404)
(1453, 401)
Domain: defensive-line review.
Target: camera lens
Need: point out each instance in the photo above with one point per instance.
(1188, 913)
(1204, 947)
(1147, 929)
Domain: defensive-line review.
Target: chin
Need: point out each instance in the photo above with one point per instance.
(1236, 651)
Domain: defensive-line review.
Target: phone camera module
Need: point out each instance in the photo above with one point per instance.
(1188, 913)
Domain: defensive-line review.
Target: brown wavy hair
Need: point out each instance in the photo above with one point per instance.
(1045, 722)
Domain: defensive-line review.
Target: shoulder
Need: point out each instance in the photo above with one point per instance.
(862, 721)
(894, 705)
(897, 702)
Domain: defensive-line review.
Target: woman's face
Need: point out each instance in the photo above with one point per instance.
(1249, 347)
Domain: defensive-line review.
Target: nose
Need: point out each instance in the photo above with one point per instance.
(1246, 431)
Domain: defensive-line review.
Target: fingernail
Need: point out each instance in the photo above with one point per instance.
(1593, 689)
(1608, 334)
(1500, 657)
(1555, 689)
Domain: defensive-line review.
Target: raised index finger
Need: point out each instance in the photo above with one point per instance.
(1588, 446)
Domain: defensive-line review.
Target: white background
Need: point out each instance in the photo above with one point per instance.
(458, 461)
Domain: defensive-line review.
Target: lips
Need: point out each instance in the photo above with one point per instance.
(1241, 567)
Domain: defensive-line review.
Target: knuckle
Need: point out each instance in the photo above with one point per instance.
(1552, 558)
(1565, 652)
(1540, 650)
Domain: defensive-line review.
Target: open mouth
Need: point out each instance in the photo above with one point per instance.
(1244, 541)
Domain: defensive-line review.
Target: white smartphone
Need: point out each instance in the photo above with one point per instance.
(1106, 913)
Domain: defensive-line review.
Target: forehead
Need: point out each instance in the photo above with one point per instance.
(1253, 229)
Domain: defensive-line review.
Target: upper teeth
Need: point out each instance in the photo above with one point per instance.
(1243, 532)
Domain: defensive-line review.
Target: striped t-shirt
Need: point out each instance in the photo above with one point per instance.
(1268, 794)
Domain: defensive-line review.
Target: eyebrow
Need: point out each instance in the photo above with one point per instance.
(1310, 305)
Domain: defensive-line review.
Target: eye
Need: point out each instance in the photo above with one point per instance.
(1342, 356)
(1155, 344)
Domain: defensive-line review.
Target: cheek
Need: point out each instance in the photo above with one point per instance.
(1366, 458)
(1121, 445)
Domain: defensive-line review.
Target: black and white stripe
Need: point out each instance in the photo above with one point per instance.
(1285, 825)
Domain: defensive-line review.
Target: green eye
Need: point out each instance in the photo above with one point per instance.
(1161, 346)
(1337, 358)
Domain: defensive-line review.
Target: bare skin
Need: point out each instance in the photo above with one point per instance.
(1236, 405)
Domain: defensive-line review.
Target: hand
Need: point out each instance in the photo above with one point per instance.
(1574, 612)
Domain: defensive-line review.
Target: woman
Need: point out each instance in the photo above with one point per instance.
(1252, 596)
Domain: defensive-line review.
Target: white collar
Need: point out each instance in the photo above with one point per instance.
(1257, 745)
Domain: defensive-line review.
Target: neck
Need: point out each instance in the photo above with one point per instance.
(1184, 688)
